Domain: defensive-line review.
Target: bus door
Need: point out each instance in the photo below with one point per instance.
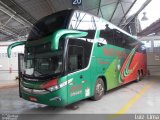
(78, 77)
(20, 68)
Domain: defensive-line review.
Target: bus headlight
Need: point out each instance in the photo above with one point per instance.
(53, 88)
(56, 87)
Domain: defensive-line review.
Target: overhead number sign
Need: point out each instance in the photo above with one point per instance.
(76, 2)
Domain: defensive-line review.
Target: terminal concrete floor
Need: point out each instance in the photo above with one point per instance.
(137, 97)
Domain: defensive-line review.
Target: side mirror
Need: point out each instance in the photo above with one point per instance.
(9, 49)
(67, 34)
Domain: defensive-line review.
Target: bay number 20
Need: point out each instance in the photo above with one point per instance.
(76, 2)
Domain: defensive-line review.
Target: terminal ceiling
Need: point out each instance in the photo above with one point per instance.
(18, 16)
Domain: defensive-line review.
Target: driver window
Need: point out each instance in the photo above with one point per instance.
(75, 58)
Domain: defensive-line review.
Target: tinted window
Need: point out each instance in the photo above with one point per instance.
(79, 52)
(113, 37)
(44, 47)
(108, 36)
(75, 58)
(130, 43)
(117, 38)
(49, 24)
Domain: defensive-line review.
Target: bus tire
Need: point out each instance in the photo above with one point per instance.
(99, 89)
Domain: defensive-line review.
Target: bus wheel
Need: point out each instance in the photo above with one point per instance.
(138, 77)
(99, 90)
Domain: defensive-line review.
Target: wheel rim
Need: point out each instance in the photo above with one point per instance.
(99, 89)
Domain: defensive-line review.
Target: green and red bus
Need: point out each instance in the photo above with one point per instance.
(72, 55)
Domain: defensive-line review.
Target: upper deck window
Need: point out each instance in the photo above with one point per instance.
(82, 21)
(49, 24)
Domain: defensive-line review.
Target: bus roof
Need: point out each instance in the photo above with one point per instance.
(71, 11)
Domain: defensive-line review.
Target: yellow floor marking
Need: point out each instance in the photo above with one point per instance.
(132, 101)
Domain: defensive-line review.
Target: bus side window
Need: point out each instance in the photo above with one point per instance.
(108, 36)
(127, 42)
(75, 58)
(118, 37)
(72, 63)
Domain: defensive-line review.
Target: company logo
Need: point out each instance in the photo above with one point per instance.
(114, 52)
(125, 70)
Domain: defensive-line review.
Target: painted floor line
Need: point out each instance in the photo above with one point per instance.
(135, 99)
(131, 102)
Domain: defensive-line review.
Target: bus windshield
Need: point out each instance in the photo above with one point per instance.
(43, 64)
(49, 25)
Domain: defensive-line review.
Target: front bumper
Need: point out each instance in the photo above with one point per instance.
(55, 98)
